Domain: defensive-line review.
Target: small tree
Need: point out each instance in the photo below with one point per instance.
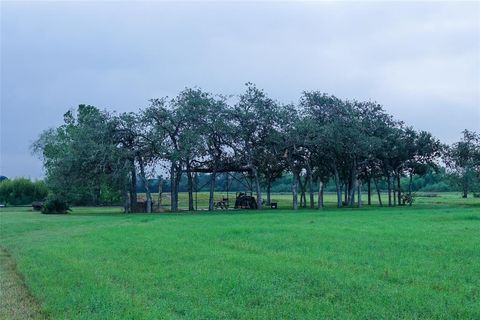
(463, 162)
(255, 116)
(80, 157)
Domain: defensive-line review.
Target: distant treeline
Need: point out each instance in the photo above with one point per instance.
(430, 182)
(22, 191)
(319, 144)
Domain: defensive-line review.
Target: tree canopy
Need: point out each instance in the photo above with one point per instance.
(322, 138)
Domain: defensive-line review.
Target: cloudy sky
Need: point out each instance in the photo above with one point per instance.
(421, 60)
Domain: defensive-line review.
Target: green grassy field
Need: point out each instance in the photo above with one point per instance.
(420, 262)
(285, 199)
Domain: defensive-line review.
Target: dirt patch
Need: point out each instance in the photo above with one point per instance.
(16, 301)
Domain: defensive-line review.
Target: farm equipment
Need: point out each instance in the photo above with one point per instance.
(222, 204)
(245, 200)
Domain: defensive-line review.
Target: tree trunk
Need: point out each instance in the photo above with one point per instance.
(378, 192)
(178, 177)
(353, 188)
(190, 189)
(410, 189)
(465, 186)
(394, 190)
(389, 184)
(149, 201)
(295, 190)
(359, 200)
(369, 187)
(353, 184)
(160, 191)
(303, 189)
(269, 187)
(346, 194)
(133, 186)
(211, 201)
(312, 192)
(127, 203)
(96, 195)
(258, 190)
(338, 188)
(399, 190)
(175, 175)
(304, 194)
(145, 185)
(320, 194)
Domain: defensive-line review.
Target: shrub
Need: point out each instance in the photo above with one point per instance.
(408, 198)
(55, 205)
(37, 206)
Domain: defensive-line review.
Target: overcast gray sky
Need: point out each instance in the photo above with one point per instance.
(421, 60)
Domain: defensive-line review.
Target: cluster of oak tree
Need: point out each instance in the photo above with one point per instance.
(354, 144)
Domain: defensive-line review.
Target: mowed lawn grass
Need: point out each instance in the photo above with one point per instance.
(419, 262)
